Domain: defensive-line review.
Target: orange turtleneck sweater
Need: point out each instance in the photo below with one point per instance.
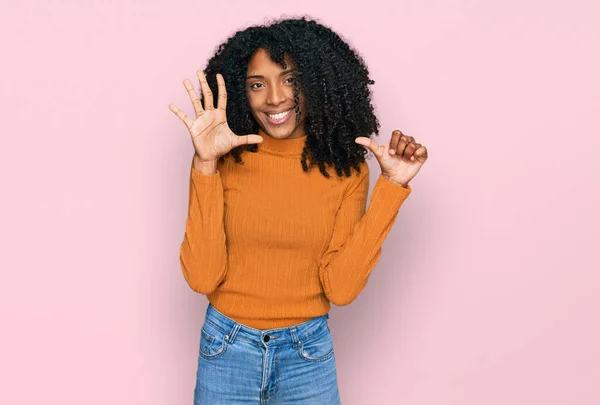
(271, 246)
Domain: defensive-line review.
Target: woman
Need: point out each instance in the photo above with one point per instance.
(271, 240)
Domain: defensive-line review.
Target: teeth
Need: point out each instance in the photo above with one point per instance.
(279, 116)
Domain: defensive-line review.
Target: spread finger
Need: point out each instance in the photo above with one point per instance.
(207, 95)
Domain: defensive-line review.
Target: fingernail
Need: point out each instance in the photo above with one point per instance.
(392, 151)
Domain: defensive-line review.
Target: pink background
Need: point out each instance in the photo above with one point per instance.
(488, 288)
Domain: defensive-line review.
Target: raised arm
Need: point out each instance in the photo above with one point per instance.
(358, 235)
(203, 252)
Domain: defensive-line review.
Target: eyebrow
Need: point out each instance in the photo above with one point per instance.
(285, 72)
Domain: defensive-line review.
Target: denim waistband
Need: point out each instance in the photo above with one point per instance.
(290, 334)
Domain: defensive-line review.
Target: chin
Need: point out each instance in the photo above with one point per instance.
(279, 133)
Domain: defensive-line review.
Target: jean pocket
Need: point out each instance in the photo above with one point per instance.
(213, 341)
(318, 347)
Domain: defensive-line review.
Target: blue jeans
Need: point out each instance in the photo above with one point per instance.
(238, 364)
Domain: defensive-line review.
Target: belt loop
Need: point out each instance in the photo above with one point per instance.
(231, 337)
(295, 340)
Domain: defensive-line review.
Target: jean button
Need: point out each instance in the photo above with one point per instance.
(266, 338)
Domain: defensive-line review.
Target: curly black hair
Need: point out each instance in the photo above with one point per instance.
(333, 79)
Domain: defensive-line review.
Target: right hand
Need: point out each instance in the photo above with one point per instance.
(211, 135)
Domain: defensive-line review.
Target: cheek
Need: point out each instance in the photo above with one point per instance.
(254, 101)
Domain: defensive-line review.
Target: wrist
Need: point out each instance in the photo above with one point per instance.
(390, 178)
(207, 167)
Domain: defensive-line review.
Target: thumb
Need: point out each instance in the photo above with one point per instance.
(247, 139)
(369, 144)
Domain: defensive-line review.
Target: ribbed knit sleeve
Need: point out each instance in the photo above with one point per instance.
(203, 252)
(358, 236)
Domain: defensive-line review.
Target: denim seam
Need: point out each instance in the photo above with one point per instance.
(319, 329)
(322, 358)
(237, 335)
(207, 335)
(220, 329)
(214, 355)
(277, 372)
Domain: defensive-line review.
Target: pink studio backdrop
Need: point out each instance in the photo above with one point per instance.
(488, 288)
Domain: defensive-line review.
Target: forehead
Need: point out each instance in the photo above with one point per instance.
(261, 64)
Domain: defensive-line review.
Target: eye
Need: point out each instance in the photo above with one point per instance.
(252, 86)
(290, 79)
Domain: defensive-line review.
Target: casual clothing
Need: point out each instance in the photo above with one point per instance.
(271, 245)
(242, 365)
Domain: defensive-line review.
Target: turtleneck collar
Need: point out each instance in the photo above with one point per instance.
(281, 147)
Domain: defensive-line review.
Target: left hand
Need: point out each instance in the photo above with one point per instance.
(402, 165)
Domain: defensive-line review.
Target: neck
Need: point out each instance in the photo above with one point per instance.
(290, 147)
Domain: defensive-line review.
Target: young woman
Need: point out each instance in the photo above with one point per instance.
(277, 227)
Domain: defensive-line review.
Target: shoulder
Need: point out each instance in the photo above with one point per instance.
(358, 181)
(363, 174)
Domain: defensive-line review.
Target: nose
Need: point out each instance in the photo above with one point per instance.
(276, 95)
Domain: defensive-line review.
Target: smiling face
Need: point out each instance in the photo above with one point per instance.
(270, 91)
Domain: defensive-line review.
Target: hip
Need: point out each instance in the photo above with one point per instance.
(241, 364)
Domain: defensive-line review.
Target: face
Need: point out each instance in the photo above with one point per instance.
(270, 91)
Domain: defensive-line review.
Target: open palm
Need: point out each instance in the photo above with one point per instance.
(211, 135)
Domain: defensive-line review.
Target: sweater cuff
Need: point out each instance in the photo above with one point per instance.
(388, 195)
(205, 178)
